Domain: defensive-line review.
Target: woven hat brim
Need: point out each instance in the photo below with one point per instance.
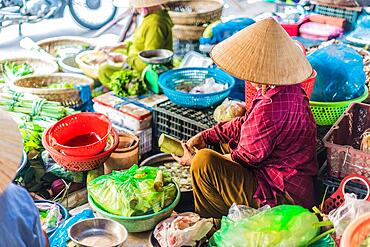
(263, 53)
(146, 3)
(11, 149)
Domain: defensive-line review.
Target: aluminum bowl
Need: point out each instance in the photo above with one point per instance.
(98, 232)
(160, 56)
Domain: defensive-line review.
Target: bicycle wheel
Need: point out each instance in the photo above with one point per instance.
(92, 14)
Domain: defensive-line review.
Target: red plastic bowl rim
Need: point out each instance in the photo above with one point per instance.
(50, 149)
(60, 146)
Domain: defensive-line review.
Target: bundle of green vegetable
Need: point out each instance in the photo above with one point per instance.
(132, 192)
(12, 71)
(33, 115)
(127, 83)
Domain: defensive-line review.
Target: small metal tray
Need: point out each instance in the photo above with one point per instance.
(159, 56)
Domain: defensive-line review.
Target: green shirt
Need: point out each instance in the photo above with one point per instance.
(155, 32)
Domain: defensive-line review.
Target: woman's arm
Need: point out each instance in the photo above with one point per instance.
(224, 132)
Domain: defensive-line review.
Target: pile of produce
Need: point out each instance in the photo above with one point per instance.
(33, 115)
(183, 9)
(133, 192)
(12, 71)
(207, 86)
(365, 143)
(68, 50)
(127, 83)
(179, 173)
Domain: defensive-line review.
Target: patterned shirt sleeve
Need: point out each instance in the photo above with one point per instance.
(224, 132)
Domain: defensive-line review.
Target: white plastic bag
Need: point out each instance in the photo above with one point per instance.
(351, 210)
(182, 230)
(238, 212)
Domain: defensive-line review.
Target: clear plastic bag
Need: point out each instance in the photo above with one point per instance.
(132, 192)
(238, 212)
(351, 210)
(340, 74)
(281, 226)
(228, 110)
(182, 230)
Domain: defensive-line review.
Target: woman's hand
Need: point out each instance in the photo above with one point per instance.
(197, 142)
(185, 160)
(116, 57)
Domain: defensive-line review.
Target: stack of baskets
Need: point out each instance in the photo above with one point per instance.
(191, 17)
(79, 124)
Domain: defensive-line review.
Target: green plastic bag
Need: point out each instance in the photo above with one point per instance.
(131, 192)
(282, 226)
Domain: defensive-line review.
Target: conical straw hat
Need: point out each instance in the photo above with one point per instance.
(146, 3)
(263, 53)
(11, 147)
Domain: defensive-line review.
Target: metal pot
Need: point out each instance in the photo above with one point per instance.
(98, 232)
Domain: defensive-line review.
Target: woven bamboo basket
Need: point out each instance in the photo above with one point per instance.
(51, 45)
(202, 11)
(39, 65)
(183, 32)
(67, 96)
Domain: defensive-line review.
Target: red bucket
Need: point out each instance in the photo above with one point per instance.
(85, 124)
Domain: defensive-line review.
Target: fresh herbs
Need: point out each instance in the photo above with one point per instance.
(127, 83)
(33, 115)
(12, 71)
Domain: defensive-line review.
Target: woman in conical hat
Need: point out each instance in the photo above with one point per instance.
(19, 218)
(155, 32)
(272, 159)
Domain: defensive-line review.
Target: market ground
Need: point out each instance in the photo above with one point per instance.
(9, 37)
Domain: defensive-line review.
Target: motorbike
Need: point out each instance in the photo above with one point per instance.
(91, 14)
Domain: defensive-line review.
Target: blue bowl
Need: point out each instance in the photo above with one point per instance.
(170, 79)
(63, 211)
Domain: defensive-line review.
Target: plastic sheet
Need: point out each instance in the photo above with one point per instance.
(351, 210)
(284, 225)
(60, 236)
(132, 192)
(340, 74)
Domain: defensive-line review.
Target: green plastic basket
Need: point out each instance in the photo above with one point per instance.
(327, 113)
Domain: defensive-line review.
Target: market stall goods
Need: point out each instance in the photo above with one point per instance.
(82, 134)
(132, 192)
(16, 67)
(365, 143)
(182, 230)
(127, 83)
(284, 225)
(126, 154)
(170, 145)
(180, 174)
(228, 110)
(211, 86)
(52, 215)
(60, 87)
(33, 115)
(131, 198)
(65, 45)
(97, 232)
